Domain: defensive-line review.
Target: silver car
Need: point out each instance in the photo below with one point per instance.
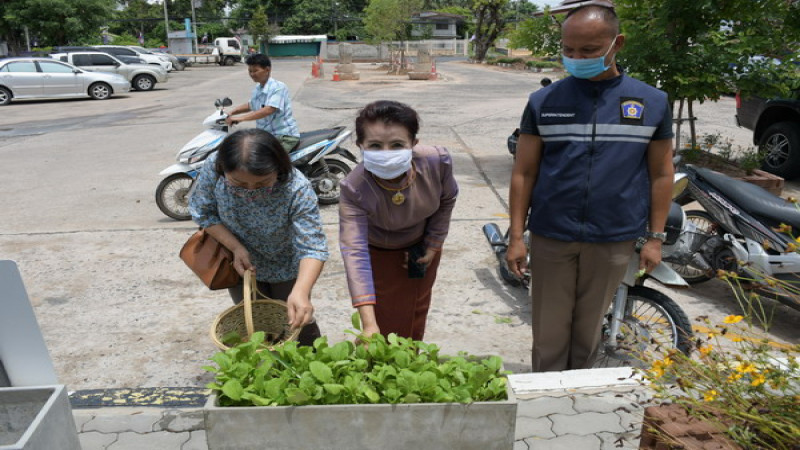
(143, 77)
(28, 78)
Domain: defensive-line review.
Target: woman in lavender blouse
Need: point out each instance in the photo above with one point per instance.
(250, 198)
(394, 215)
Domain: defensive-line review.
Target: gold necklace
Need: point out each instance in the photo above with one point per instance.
(398, 198)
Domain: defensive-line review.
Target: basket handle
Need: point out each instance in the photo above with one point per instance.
(250, 289)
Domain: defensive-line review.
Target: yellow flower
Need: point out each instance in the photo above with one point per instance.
(737, 339)
(710, 395)
(733, 377)
(733, 319)
(746, 367)
(758, 379)
(705, 350)
(791, 247)
(657, 372)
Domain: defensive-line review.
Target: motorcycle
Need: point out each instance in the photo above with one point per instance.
(313, 156)
(640, 318)
(737, 231)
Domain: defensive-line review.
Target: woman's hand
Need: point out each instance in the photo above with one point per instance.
(241, 260)
(427, 258)
(369, 325)
(300, 309)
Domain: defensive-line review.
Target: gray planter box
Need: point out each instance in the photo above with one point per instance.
(479, 426)
(37, 418)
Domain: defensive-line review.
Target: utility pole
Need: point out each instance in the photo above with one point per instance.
(194, 29)
(166, 21)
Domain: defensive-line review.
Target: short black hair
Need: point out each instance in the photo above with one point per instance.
(255, 151)
(388, 112)
(604, 9)
(258, 59)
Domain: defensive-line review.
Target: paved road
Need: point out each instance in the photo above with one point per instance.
(117, 307)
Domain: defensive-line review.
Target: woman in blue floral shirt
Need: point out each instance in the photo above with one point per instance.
(250, 198)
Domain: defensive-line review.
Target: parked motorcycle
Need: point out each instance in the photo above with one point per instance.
(738, 232)
(313, 156)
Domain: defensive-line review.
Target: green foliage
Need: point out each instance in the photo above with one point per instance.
(489, 23)
(544, 64)
(311, 17)
(259, 26)
(388, 20)
(697, 49)
(541, 35)
(735, 381)
(382, 370)
(53, 22)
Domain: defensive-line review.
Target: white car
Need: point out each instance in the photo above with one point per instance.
(132, 50)
(29, 78)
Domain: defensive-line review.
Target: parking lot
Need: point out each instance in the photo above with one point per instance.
(99, 260)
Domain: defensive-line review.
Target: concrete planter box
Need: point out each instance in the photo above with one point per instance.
(37, 418)
(479, 426)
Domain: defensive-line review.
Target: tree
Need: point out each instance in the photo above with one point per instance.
(696, 50)
(259, 26)
(489, 22)
(541, 35)
(388, 20)
(53, 22)
(311, 17)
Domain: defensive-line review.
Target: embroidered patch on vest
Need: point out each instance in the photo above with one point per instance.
(631, 110)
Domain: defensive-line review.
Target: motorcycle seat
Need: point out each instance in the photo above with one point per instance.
(312, 137)
(753, 199)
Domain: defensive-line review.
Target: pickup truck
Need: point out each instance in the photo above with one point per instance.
(776, 130)
(143, 77)
(226, 51)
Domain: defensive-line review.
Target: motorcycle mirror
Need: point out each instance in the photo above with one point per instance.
(217, 103)
(227, 101)
(679, 184)
(546, 82)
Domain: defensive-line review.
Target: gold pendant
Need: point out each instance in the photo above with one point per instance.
(398, 198)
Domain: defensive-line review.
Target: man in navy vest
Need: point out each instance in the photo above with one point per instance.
(593, 173)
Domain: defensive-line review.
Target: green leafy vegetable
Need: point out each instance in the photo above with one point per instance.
(386, 369)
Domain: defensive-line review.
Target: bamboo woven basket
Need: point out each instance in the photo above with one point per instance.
(254, 314)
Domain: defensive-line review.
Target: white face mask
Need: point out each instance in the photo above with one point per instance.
(387, 164)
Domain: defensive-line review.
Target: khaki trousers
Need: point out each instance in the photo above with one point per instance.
(572, 285)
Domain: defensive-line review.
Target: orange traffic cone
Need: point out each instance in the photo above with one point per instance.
(336, 75)
(433, 75)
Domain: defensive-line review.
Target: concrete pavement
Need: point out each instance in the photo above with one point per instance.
(592, 409)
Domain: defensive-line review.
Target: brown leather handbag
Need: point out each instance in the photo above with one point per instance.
(211, 261)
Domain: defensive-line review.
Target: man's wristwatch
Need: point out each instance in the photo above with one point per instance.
(661, 236)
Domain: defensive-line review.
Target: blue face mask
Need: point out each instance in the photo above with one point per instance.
(589, 67)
